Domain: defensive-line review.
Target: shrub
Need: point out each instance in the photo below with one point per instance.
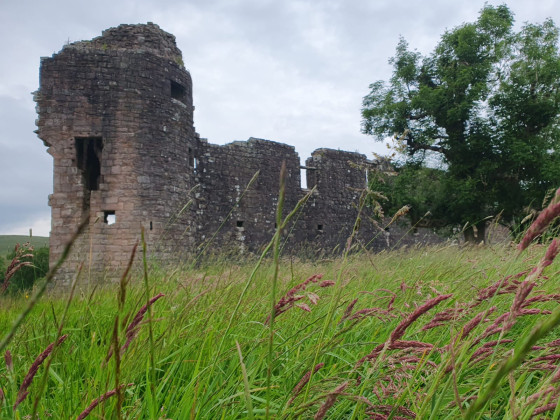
(27, 275)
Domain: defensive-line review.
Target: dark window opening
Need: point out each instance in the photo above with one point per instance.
(178, 91)
(191, 158)
(109, 217)
(88, 156)
(320, 228)
(239, 223)
(151, 226)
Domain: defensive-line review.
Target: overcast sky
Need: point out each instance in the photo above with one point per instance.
(292, 71)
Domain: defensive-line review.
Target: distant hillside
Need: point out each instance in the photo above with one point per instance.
(7, 242)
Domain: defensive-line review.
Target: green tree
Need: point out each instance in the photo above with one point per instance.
(485, 105)
(416, 186)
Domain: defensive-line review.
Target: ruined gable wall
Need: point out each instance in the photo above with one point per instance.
(224, 174)
(340, 179)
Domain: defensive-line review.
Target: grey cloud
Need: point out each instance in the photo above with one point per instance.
(26, 168)
(292, 71)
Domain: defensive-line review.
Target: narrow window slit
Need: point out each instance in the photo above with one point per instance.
(191, 158)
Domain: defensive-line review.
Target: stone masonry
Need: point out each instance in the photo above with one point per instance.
(116, 114)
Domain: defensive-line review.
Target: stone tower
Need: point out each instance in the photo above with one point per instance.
(116, 114)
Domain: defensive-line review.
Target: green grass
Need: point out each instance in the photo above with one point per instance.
(8, 242)
(207, 353)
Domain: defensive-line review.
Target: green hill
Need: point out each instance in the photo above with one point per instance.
(7, 242)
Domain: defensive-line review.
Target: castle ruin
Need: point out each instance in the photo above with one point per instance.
(116, 114)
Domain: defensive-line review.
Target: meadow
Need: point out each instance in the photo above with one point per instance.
(425, 333)
(411, 333)
(7, 242)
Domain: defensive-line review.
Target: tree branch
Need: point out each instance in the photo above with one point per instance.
(419, 146)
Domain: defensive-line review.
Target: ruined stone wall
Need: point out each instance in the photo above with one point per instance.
(117, 116)
(238, 213)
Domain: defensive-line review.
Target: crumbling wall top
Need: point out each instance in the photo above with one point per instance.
(139, 38)
(337, 153)
(257, 142)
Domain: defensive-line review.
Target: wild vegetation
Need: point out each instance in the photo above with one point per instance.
(475, 123)
(444, 332)
(427, 333)
(27, 265)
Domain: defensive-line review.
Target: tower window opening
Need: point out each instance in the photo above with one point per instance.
(239, 223)
(109, 217)
(88, 157)
(178, 91)
(303, 177)
(320, 228)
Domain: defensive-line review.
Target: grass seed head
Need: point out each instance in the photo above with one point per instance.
(22, 393)
(9, 361)
(133, 327)
(330, 400)
(98, 401)
(399, 331)
(303, 381)
(540, 224)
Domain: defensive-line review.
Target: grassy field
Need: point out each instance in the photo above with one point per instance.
(433, 333)
(7, 242)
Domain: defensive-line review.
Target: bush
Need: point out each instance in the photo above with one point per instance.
(27, 275)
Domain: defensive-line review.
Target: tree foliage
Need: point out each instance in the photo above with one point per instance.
(486, 103)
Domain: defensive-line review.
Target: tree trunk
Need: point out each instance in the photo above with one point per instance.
(475, 234)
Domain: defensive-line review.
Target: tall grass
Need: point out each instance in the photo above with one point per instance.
(435, 372)
(429, 333)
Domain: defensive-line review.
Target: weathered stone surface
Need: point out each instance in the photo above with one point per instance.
(116, 114)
